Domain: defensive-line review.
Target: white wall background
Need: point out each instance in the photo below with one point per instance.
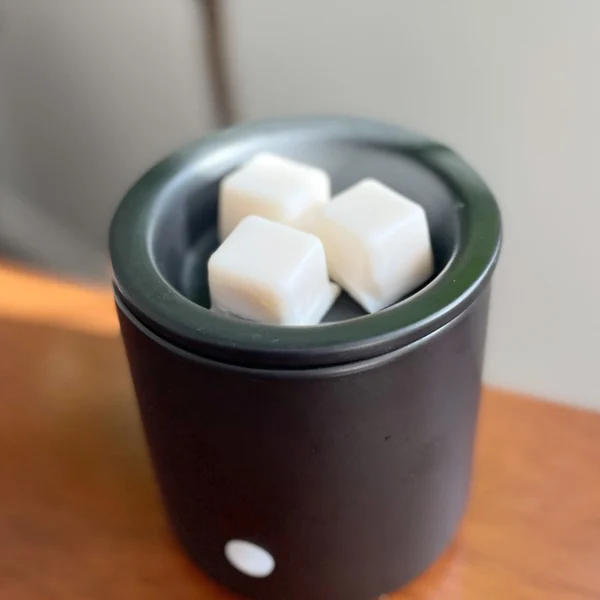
(513, 85)
(98, 89)
(94, 92)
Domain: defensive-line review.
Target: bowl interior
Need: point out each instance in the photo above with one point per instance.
(184, 233)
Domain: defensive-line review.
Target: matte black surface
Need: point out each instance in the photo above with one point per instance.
(164, 231)
(353, 477)
(344, 449)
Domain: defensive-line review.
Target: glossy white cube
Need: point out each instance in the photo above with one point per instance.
(377, 244)
(271, 273)
(275, 188)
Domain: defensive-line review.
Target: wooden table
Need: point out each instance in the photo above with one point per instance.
(80, 518)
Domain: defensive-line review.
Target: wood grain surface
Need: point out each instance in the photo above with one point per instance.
(80, 518)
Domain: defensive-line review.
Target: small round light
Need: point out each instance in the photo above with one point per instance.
(248, 558)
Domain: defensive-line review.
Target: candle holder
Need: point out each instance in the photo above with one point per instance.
(318, 462)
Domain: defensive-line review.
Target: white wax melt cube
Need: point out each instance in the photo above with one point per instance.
(377, 244)
(275, 188)
(271, 273)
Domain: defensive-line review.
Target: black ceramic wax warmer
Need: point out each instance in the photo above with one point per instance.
(341, 452)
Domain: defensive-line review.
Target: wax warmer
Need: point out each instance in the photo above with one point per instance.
(325, 462)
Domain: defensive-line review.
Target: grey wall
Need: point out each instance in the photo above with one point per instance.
(514, 85)
(94, 91)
